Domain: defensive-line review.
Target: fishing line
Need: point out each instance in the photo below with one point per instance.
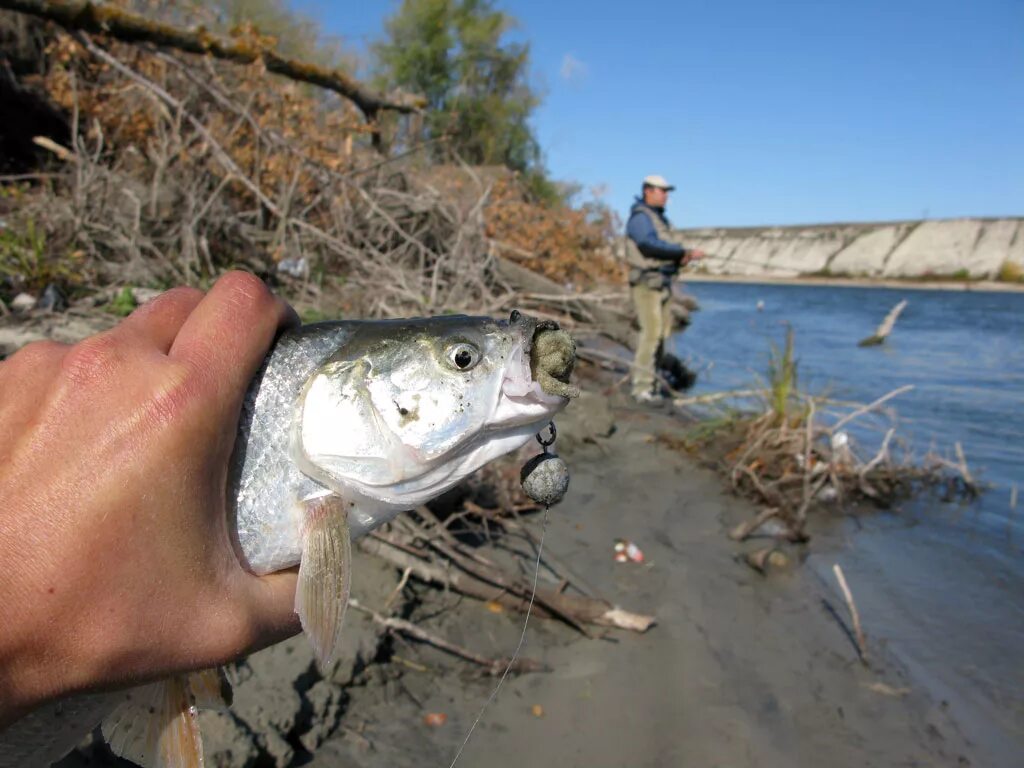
(732, 260)
(522, 639)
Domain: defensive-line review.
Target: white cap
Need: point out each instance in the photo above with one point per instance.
(657, 181)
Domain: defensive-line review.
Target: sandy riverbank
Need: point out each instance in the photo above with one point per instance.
(739, 671)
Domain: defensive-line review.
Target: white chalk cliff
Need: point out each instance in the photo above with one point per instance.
(940, 248)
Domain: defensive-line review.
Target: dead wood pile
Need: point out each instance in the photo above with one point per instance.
(177, 166)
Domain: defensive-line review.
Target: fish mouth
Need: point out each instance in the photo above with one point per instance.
(522, 400)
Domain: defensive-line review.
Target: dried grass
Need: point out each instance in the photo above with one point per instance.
(181, 167)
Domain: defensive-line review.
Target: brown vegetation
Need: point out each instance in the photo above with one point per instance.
(181, 166)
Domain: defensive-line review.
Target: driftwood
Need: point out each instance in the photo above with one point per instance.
(885, 328)
(862, 644)
(101, 18)
(537, 291)
(549, 603)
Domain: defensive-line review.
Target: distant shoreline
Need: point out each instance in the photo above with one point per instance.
(909, 284)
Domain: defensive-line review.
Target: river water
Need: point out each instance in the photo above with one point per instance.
(940, 586)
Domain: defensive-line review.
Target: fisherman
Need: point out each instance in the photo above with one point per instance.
(653, 260)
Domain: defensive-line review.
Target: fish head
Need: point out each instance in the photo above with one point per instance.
(407, 408)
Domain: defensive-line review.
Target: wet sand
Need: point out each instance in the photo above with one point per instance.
(740, 670)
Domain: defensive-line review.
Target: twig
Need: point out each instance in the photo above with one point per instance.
(398, 589)
(493, 666)
(870, 406)
(714, 397)
(805, 504)
(862, 646)
(883, 453)
(742, 531)
(964, 471)
(63, 153)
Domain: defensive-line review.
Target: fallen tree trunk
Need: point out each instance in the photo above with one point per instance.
(583, 610)
(885, 328)
(614, 324)
(100, 18)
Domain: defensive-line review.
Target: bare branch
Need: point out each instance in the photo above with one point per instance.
(101, 18)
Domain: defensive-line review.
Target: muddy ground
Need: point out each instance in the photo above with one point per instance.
(741, 670)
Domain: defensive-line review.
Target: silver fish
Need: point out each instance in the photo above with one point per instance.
(350, 423)
(346, 424)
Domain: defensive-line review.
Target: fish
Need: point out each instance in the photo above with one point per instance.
(345, 425)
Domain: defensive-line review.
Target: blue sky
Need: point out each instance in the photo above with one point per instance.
(773, 112)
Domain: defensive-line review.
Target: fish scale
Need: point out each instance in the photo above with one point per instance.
(265, 483)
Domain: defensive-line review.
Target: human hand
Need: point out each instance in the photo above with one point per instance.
(694, 255)
(117, 560)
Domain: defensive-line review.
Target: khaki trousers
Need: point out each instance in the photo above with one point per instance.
(655, 316)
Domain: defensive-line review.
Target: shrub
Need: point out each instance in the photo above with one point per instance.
(1010, 272)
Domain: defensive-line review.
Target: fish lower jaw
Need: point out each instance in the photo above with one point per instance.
(515, 412)
(380, 502)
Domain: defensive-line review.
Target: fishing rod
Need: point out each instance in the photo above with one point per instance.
(734, 260)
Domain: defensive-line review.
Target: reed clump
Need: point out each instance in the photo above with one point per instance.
(794, 454)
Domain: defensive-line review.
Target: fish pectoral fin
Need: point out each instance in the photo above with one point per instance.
(210, 689)
(157, 726)
(325, 575)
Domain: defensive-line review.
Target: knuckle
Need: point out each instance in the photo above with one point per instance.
(177, 389)
(38, 353)
(92, 360)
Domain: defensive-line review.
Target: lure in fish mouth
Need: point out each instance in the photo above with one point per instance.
(349, 423)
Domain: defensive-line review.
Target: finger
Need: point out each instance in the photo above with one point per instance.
(157, 322)
(229, 332)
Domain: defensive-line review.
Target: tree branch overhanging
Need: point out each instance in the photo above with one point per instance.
(100, 18)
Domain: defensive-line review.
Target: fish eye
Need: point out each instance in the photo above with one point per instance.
(463, 356)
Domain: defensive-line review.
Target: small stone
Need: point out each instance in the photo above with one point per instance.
(52, 300)
(545, 478)
(23, 302)
(142, 295)
(778, 559)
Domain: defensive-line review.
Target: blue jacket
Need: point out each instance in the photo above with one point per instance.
(640, 230)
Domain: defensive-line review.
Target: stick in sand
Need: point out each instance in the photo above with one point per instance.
(862, 646)
(885, 328)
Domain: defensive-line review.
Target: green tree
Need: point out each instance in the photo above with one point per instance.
(455, 53)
